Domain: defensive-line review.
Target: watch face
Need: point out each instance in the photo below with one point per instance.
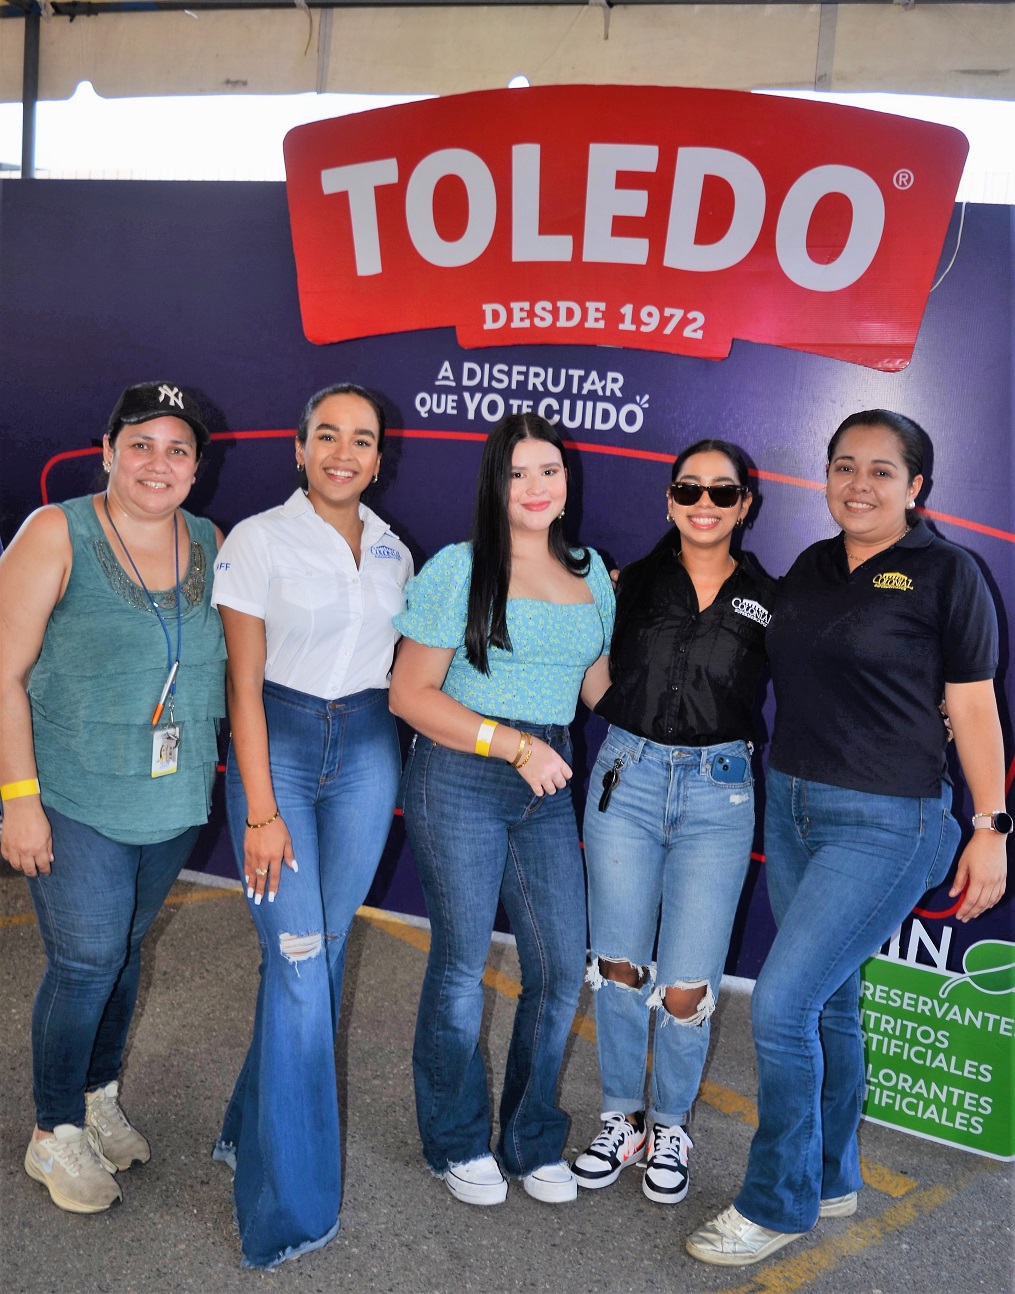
(1003, 823)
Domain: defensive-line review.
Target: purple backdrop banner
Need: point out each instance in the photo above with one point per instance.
(106, 283)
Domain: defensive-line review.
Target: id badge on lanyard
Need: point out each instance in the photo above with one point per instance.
(166, 737)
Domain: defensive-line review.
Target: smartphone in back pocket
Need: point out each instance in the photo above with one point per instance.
(729, 768)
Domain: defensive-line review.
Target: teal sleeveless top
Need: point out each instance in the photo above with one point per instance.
(97, 680)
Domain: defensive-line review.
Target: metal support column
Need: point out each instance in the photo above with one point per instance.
(29, 94)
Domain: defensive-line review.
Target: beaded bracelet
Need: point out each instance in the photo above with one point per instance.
(255, 826)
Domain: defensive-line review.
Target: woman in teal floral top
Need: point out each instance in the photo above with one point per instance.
(500, 637)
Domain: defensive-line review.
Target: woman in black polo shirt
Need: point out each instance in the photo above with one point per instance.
(871, 629)
(669, 841)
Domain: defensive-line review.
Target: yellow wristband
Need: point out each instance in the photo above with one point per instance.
(15, 790)
(485, 735)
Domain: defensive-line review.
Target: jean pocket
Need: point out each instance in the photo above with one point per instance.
(948, 843)
(730, 770)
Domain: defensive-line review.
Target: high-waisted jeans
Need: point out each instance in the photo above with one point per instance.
(844, 870)
(94, 909)
(669, 853)
(334, 768)
(478, 834)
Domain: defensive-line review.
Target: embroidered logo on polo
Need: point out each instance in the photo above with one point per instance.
(892, 580)
(752, 610)
(171, 393)
(382, 550)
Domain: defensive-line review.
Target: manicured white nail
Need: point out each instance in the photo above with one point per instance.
(296, 866)
(257, 900)
(271, 896)
(250, 891)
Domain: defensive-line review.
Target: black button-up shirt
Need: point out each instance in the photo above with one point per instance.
(680, 676)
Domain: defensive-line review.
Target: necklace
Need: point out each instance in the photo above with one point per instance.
(860, 560)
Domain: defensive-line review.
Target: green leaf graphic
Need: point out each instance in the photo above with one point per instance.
(989, 966)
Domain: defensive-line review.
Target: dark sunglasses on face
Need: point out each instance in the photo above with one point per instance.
(686, 493)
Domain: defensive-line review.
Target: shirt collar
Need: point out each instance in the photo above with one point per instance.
(298, 505)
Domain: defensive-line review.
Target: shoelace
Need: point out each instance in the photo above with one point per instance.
(612, 1137)
(108, 1115)
(667, 1146)
(72, 1154)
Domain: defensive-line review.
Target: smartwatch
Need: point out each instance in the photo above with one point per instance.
(1000, 822)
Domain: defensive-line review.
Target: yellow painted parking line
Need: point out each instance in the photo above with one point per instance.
(795, 1273)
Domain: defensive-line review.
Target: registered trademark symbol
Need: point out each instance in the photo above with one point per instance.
(903, 179)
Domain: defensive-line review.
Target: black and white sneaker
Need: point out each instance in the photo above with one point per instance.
(619, 1144)
(666, 1172)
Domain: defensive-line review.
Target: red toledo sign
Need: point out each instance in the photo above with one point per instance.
(662, 219)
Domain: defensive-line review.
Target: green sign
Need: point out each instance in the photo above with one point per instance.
(940, 1048)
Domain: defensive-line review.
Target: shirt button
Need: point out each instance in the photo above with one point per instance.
(673, 688)
(682, 650)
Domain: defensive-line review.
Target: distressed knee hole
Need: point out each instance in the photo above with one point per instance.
(688, 1002)
(618, 971)
(299, 948)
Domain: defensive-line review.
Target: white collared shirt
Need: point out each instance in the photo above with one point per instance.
(327, 622)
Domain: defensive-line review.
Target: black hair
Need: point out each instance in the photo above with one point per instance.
(339, 388)
(486, 623)
(910, 435)
(712, 445)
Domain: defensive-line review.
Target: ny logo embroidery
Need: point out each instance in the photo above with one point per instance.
(172, 393)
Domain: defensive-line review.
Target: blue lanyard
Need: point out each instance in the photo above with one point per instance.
(170, 688)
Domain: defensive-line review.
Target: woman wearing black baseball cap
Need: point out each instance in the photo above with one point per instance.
(111, 688)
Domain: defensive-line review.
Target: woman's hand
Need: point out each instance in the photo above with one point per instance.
(982, 873)
(544, 770)
(26, 841)
(265, 849)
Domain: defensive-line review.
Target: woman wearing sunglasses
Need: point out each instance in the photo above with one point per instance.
(670, 816)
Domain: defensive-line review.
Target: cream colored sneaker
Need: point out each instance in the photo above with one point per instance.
(119, 1142)
(838, 1206)
(70, 1166)
(731, 1240)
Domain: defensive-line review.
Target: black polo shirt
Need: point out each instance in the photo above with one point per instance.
(859, 661)
(683, 677)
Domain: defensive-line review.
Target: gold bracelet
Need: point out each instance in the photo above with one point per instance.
(524, 743)
(485, 735)
(528, 754)
(17, 790)
(255, 826)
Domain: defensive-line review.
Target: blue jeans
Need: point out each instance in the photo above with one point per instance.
(334, 768)
(670, 853)
(94, 909)
(844, 870)
(478, 834)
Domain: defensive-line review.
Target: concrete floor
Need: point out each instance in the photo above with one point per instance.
(935, 1219)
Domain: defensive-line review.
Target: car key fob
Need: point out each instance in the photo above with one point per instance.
(610, 780)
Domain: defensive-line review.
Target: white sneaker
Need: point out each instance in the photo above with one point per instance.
(618, 1145)
(552, 1184)
(839, 1206)
(70, 1166)
(666, 1172)
(120, 1142)
(731, 1240)
(479, 1182)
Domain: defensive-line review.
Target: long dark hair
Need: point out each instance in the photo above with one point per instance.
(712, 444)
(486, 624)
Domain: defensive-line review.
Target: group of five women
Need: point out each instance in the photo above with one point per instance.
(111, 666)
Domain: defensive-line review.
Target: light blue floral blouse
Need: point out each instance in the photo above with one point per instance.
(553, 644)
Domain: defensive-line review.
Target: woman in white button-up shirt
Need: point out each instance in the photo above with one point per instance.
(306, 592)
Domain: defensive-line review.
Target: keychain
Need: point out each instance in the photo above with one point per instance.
(610, 780)
(166, 745)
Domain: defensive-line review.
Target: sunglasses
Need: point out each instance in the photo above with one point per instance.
(723, 496)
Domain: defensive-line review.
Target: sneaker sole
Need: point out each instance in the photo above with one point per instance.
(663, 1197)
(482, 1196)
(719, 1259)
(59, 1199)
(844, 1208)
(597, 1183)
(113, 1166)
(563, 1193)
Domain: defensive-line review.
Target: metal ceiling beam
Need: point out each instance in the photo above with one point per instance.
(96, 8)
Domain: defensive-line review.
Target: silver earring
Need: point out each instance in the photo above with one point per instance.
(560, 515)
(105, 467)
(377, 477)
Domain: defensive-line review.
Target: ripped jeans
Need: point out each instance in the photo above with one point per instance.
(335, 770)
(670, 853)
